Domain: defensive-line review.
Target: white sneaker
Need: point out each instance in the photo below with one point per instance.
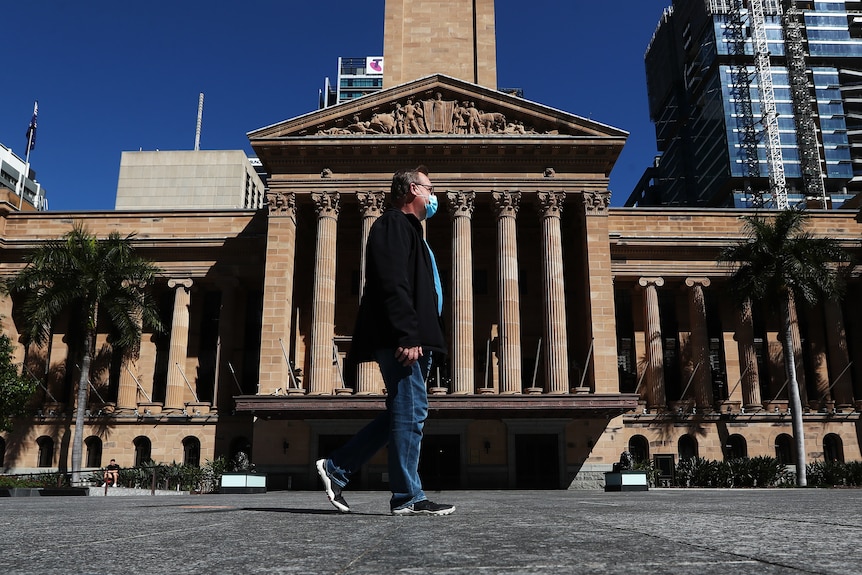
(332, 489)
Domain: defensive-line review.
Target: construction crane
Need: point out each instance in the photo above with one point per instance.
(777, 179)
(741, 92)
(806, 129)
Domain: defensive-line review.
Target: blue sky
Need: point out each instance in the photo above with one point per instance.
(116, 76)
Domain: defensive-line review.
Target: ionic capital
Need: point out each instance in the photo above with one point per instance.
(281, 203)
(506, 203)
(461, 204)
(551, 203)
(697, 282)
(371, 203)
(184, 283)
(646, 282)
(326, 204)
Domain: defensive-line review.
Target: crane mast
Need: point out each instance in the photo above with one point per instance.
(806, 129)
(777, 179)
(741, 91)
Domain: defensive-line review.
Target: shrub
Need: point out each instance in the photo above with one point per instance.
(34, 481)
(171, 476)
(769, 472)
(651, 471)
(832, 474)
(740, 472)
(854, 473)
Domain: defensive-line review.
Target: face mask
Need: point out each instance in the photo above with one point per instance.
(431, 206)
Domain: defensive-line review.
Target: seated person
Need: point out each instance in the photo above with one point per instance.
(112, 473)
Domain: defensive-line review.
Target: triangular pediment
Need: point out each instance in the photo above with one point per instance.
(437, 105)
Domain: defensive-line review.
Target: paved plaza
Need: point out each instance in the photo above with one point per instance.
(662, 531)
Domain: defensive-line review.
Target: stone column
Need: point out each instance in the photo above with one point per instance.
(839, 357)
(369, 381)
(655, 393)
(599, 300)
(556, 342)
(322, 380)
(176, 388)
(277, 292)
(506, 206)
(749, 371)
(797, 352)
(226, 387)
(127, 396)
(462, 357)
(816, 346)
(699, 343)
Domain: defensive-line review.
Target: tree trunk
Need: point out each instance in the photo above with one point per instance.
(81, 408)
(793, 392)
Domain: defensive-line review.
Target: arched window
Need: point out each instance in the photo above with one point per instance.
(639, 448)
(192, 451)
(833, 449)
(46, 451)
(785, 452)
(735, 448)
(143, 450)
(687, 447)
(2, 453)
(94, 451)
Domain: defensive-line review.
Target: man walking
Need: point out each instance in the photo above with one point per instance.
(399, 326)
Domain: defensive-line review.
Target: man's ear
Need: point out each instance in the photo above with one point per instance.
(411, 194)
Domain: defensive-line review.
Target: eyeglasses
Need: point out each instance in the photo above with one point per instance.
(429, 188)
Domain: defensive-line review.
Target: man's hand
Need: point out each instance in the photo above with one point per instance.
(407, 356)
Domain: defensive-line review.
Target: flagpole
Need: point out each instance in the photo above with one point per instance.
(24, 175)
(31, 133)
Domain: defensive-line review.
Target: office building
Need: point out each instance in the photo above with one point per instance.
(357, 77)
(186, 180)
(755, 103)
(15, 173)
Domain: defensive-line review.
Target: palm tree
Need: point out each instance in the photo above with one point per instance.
(780, 263)
(94, 278)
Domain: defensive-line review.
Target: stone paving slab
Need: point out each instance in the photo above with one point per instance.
(661, 531)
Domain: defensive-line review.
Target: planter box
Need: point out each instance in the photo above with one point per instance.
(626, 481)
(43, 491)
(243, 483)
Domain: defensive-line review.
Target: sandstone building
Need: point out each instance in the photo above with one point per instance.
(576, 330)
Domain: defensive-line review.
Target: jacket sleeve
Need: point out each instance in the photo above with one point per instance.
(391, 258)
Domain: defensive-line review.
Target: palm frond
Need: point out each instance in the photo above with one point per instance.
(780, 256)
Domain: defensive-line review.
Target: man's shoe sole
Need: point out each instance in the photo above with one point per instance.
(410, 512)
(327, 487)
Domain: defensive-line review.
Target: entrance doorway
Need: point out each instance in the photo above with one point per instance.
(537, 461)
(440, 462)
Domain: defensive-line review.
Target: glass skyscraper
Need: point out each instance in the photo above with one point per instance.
(357, 77)
(706, 102)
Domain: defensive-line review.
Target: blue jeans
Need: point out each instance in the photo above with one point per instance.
(400, 426)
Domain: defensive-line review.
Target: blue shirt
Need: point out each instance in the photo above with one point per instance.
(438, 287)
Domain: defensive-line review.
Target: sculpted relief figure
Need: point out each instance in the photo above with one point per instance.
(358, 126)
(383, 123)
(474, 121)
(431, 116)
(492, 122)
(459, 119)
(413, 118)
(439, 114)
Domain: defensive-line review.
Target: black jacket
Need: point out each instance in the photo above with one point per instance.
(399, 304)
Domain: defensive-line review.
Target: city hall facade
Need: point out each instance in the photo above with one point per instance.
(576, 330)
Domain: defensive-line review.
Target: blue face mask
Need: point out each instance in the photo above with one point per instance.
(431, 206)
